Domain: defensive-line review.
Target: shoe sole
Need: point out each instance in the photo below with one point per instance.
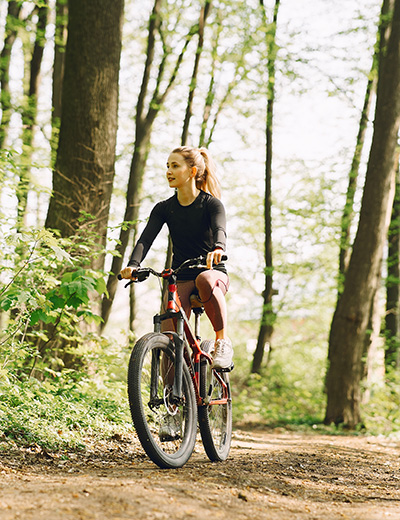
(224, 369)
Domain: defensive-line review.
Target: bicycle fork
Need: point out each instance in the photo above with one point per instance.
(177, 338)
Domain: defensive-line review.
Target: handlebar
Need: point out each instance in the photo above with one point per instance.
(142, 273)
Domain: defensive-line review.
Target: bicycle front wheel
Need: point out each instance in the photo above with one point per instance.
(215, 416)
(150, 366)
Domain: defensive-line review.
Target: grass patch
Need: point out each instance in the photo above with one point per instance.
(58, 416)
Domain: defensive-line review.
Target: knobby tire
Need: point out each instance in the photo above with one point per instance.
(215, 421)
(146, 359)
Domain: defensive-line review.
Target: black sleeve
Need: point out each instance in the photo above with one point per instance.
(153, 227)
(218, 223)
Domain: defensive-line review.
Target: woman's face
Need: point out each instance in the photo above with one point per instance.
(178, 172)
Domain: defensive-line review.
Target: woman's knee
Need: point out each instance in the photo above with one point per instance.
(203, 282)
(209, 280)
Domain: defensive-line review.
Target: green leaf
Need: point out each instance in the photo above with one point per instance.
(40, 315)
(6, 303)
(66, 278)
(57, 301)
(101, 286)
(90, 317)
(75, 302)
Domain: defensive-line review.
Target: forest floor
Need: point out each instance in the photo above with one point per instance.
(273, 475)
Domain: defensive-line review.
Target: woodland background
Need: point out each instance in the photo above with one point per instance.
(299, 104)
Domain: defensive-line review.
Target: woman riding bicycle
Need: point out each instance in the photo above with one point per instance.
(196, 221)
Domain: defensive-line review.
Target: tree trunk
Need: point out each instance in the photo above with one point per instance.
(29, 114)
(11, 30)
(392, 317)
(193, 83)
(144, 123)
(188, 115)
(373, 342)
(60, 41)
(348, 212)
(138, 163)
(350, 321)
(84, 170)
(348, 216)
(267, 313)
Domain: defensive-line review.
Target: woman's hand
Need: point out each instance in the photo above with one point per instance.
(128, 272)
(214, 257)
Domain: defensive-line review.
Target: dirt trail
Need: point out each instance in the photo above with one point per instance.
(270, 475)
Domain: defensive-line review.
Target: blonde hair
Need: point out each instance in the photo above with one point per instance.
(206, 177)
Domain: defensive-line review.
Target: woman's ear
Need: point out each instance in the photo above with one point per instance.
(194, 171)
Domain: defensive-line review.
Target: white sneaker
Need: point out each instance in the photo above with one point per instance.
(223, 353)
(170, 427)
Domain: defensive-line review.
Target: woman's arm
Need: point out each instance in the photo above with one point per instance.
(153, 227)
(218, 223)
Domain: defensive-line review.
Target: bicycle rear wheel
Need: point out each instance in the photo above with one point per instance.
(215, 420)
(149, 403)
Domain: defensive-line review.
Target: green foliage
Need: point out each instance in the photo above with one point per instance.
(289, 391)
(48, 302)
(274, 400)
(60, 414)
(45, 297)
(382, 411)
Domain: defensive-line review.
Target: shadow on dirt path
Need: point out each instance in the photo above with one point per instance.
(269, 475)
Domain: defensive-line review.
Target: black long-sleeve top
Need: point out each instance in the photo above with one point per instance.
(195, 230)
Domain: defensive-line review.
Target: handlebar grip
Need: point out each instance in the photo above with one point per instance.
(140, 276)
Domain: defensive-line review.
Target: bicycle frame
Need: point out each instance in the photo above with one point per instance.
(184, 332)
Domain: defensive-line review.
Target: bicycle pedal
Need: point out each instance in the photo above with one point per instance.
(226, 369)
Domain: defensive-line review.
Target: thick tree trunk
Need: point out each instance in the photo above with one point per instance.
(350, 321)
(348, 216)
(84, 170)
(348, 212)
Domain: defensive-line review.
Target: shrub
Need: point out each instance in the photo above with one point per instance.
(46, 296)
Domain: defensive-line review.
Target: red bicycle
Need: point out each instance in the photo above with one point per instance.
(170, 375)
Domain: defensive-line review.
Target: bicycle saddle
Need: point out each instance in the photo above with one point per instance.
(195, 301)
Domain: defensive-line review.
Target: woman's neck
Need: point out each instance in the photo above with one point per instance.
(187, 197)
